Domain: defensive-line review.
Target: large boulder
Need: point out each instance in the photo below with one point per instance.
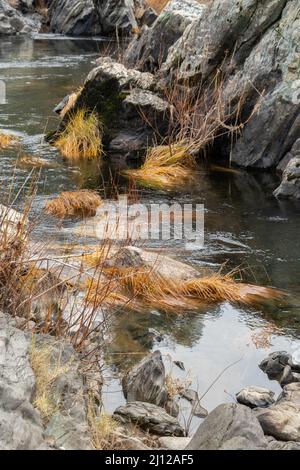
(229, 427)
(122, 98)
(149, 50)
(149, 417)
(254, 46)
(74, 18)
(282, 420)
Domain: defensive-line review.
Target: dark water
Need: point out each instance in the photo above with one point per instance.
(245, 227)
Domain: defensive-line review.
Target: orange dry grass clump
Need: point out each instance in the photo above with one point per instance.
(165, 167)
(145, 288)
(74, 203)
(157, 5)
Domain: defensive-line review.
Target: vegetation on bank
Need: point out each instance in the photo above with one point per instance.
(74, 203)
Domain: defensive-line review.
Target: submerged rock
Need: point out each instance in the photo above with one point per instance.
(229, 427)
(149, 417)
(146, 381)
(193, 397)
(282, 420)
(255, 396)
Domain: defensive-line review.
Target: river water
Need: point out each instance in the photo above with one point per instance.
(245, 226)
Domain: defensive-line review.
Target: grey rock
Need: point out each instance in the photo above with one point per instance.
(74, 18)
(121, 97)
(21, 426)
(174, 443)
(255, 396)
(280, 366)
(179, 364)
(192, 396)
(282, 420)
(146, 381)
(121, 17)
(290, 185)
(229, 427)
(149, 417)
(149, 50)
(13, 22)
(273, 444)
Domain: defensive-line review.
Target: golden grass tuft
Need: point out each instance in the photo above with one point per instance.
(46, 373)
(102, 428)
(74, 203)
(165, 167)
(6, 140)
(157, 5)
(81, 137)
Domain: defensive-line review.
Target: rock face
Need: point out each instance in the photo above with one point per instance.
(147, 381)
(122, 17)
(13, 22)
(121, 97)
(149, 50)
(256, 45)
(229, 427)
(74, 18)
(280, 366)
(21, 426)
(149, 417)
(255, 396)
(290, 185)
(282, 420)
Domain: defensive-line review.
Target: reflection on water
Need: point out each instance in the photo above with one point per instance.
(245, 227)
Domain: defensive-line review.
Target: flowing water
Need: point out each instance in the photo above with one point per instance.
(245, 227)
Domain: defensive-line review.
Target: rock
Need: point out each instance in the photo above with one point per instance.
(68, 427)
(192, 396)
(255, 44)
(294, 152)
(290, 185)
(174, 443)
(229, 427)
(131, 256)
(149, 50)
(146, 381)
(281, 367)
(149, 417)
(282, 420)
(255, 396)
(12, 222)
(121, 96)
(179, 364)
(122, 17)
(74, 18)
(13, 22)
(21, 426)
(273, 444)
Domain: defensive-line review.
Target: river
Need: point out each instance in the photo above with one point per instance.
(245, 227)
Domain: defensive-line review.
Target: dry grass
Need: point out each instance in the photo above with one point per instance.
(74, 203)
(165, 167)
(157, 5)
(81, 137)
(102, 428)
(7, 140)
(46, 373)
(141, 289)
